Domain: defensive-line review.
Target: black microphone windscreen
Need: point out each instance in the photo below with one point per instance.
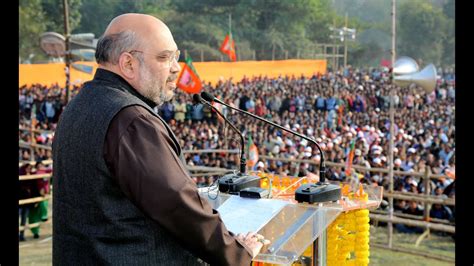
(207, 96)
(197, 98)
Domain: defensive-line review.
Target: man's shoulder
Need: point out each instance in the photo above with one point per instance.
(132, 112)
(135, 118)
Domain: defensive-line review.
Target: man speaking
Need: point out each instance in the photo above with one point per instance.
(122, 195)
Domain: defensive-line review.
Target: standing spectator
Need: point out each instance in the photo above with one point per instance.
(28, 189)
(179, 109)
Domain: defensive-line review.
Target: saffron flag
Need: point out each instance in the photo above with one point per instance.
(350, 158)
(188, 79)
(228, 47)
(340, 113)
(189, 62)
(252, 152)
(386, 63)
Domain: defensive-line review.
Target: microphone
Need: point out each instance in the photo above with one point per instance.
(233, 183)
(319, 192)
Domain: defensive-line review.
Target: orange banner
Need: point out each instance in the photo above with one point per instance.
(47, 74)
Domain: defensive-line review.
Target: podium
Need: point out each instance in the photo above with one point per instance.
(297, 226)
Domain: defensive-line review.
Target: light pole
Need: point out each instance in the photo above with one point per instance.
(391, 114)
(67, 54)
(343, 34)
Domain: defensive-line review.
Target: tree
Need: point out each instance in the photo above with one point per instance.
(449, 41)
(96, 15)
(54, 11)
(31, 25)
(264, 28)
(422, 31)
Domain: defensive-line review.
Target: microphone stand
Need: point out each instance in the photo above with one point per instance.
(233, 183)
(319, 192)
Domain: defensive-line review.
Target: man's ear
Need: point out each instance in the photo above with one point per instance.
(127, 65)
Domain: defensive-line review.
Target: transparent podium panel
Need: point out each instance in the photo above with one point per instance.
(291, 230)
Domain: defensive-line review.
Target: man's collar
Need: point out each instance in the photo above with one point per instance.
(109, 76)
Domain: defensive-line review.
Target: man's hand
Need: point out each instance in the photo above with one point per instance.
(253, 241)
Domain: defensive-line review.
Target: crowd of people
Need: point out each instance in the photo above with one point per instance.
(32, 188)
(343, 111)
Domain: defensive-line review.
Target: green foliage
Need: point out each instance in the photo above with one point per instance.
(31, 26)
(54, 11)
(422, 31)
(263, 29)
(96, 15)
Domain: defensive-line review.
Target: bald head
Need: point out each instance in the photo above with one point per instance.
(139, 23)
(128, 32)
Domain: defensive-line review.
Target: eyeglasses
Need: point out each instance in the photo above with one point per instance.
(169, 59)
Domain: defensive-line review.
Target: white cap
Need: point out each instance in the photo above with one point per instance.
(376, 147)
(360, 134)
(358, 152)
(377, 160)
(308, 149)
(377, 152)
(276, 149)
(395, 149)
(372, 129)
(383, 158)
(260, 164)
(376, 178)
(411, 150)
(397, 161)
(319, 140)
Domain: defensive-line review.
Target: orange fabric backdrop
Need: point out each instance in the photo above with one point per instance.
(47, 74)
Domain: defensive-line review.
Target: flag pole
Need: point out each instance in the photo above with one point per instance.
(230, 40)
(230, 25)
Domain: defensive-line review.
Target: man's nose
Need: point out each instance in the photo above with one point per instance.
(175, 67)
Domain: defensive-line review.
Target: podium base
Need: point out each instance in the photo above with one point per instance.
(319, 192)
(234, 183)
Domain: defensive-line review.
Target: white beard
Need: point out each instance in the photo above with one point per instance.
(151, 87)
